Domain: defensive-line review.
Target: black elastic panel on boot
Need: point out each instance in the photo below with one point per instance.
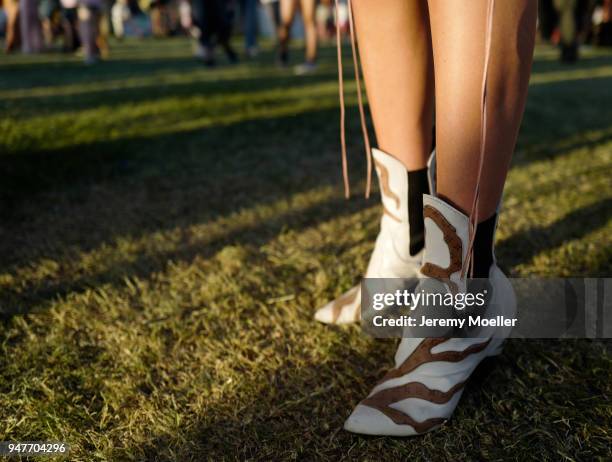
(483, 247)
(418, 184)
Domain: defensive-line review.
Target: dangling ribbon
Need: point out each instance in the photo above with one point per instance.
(364, 127)
(473, 225)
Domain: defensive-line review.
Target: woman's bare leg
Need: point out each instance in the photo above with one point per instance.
(397, 61)
(458, 36)
(395, 47)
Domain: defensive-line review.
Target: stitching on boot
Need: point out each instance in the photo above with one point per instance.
(422, 354)
(382, 400)
(343, 301)
(455, 248)
(384, 183)
(386, 212)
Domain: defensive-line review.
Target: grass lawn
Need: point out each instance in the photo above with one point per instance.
(167, 231)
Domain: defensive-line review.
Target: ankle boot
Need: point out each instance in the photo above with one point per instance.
(423, 389)
(398, 249)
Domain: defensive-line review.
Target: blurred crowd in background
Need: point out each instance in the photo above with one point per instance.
(84, 26)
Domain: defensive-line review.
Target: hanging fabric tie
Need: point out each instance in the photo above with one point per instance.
(469, 260)
(364, 128)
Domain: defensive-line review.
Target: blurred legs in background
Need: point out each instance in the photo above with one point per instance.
(158, 23)
(72, 41)
(566, 9)
(213, 19)
(30, 27)
(325, 20)
(89, 17)
(604, 28)
(48, 11)
(288, 8)
(164, 18)
(250, 27)
(13, 36)
(104, 30)
(272, 9)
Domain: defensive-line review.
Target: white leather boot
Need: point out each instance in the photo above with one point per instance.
(392, 256)
(423, 389)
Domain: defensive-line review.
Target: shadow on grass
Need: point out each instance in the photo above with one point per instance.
(267, 420)
(154, 187)
(219, 165)
(298, 412)
(523, 246)
(558, 111)
(214, 187)
(148, 93)
(36, 297)
(213, 172)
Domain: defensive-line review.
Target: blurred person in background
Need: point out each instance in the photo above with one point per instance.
(288, 9)
(30, 27)
(602, 21)
(568, 35)
(120, 16)
(156, 12)
(184, 14)
(249, 14)
(89, 14)
(128, 20)
(50, 16)
(325, 20)
(272, 10)
(103, 28)
(13, 36)
(584, 21)
(72, 40)
(570, 24)
(164, 16)
(213, 22)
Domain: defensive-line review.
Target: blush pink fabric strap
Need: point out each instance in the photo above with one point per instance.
(468, 262)
(364, 127)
